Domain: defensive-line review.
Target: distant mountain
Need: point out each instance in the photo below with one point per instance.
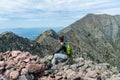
(49, 37)
(10, 41)
(94, 37)
(30, 33)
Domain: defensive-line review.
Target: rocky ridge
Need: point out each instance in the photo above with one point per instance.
(95, 37)
(10, 41)
(17, 65)
(47, 38)
(81, 69)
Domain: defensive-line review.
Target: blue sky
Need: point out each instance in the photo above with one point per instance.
(51, 13)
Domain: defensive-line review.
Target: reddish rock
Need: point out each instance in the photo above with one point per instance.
(91, 74)
(14, 75)
(33, 57)
(2, 63)
(58, 77)
(7, 73)
(35, 68)
(15, 53)
(43, 78)
(27, 59)
(70, 73)
(23, 64)
(51, 77)
(9, 66)
(21, 56)
(38, 60)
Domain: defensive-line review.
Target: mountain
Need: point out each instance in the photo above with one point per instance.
(11, 41)
(49, 37)
(30, 33)
(95, 37)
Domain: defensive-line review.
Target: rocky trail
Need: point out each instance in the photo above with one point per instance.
(17, 65)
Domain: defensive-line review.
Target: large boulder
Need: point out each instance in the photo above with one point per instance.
(35, 68)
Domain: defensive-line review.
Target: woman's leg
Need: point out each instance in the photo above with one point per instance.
(59, 56)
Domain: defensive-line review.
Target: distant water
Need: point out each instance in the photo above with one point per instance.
(30, 33)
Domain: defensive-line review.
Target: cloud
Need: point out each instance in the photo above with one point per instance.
(20, 6)
(54, 10)
(4, 19)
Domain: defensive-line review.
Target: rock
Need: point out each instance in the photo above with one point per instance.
(22, 77)
(47, 72)
(15, 53)
(51, 77)
(22, 56)
(114, 70)
(35, 68)
(9, 66)
(70, 73)
(26, 60)
(22, 65)
(46, 59)
(2, 63)
(66, 67)
(24, 71)
(43, 78)
(14, 75)
(7, 73)
(74, 66)
(105, 75)
(26, 77)
(91, 74)
(58, 77)
(33, 57)
(2, 77)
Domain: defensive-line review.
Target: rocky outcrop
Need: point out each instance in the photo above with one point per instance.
(81, 69)
(17, 65)
(48, 38)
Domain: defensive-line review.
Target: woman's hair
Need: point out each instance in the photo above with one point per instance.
(61, 38)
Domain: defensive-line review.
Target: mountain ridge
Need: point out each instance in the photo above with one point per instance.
(95, 36)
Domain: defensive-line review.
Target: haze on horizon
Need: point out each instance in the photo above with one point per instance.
(51, 13)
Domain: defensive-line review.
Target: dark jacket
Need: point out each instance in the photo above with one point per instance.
(61, 49)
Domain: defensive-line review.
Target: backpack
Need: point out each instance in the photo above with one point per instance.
(68, 49)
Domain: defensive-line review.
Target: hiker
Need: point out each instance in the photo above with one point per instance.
(61, 53)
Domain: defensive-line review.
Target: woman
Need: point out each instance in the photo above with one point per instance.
(60, 54)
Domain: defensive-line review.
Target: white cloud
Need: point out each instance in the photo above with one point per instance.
(18, 6)
(55, 10)
(4, 19)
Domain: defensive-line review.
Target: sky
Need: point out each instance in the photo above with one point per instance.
(51, 13)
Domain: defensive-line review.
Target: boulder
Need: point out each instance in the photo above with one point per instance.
(2, 63)
(7, 73)
(15, 53)
(35, 68)
(70, 73)
(14, 75)
(24, 71)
